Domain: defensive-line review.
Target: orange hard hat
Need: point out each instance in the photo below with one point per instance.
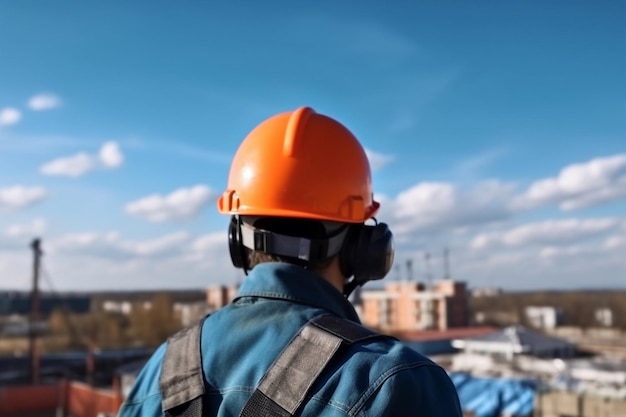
(300, 164)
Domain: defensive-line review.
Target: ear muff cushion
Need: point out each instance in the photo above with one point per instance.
(367, 253)
(235, 245)
(380, 252)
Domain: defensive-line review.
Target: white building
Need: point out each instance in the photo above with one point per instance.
(516, 340)
(114, 306)
(544, 317)
(604, 317)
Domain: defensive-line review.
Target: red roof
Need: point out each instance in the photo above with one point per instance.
(432, 335)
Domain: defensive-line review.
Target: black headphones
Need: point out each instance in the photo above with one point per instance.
(235, 244)
(366, 252)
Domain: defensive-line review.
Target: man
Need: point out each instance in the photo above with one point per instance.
(299, 196)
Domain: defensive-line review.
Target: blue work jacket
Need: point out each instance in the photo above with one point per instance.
(376, 377)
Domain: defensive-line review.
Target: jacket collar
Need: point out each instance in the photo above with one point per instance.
(284, 281)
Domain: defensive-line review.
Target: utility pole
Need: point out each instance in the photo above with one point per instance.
(34, 313)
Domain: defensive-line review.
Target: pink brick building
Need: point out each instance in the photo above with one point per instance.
(219, 295)
(406, 305)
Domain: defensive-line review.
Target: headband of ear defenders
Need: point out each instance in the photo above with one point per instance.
(309, 250)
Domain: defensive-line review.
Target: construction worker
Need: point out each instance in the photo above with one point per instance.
(302, 228)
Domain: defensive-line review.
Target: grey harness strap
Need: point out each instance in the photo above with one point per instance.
(284, 386)
(181, 380)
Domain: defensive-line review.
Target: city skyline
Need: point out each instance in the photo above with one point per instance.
(496, 131)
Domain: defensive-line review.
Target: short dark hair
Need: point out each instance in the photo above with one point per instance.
(256, 257)
(305, 228)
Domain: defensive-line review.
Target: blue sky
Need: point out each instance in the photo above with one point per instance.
(497, 129)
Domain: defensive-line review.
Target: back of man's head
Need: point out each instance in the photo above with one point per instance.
(300, 191)
(294, 227)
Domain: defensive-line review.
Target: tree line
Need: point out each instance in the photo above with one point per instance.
(578, 307)
(147, 325)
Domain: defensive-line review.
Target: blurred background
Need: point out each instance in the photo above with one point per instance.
(496, 133)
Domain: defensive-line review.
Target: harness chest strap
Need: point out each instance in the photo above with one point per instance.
(181, 380)
(285, 384)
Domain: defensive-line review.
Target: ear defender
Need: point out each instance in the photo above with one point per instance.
(235, 244)
(367, 254)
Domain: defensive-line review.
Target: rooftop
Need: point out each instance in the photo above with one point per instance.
(433, 335)
(517, 336)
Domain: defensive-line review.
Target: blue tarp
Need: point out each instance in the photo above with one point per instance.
(494, 397)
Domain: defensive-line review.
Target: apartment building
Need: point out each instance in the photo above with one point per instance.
(408, 305)
(219, 295)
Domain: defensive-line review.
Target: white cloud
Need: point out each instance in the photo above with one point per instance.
(71, 166)
(44, 102)
(580, 185)
(86, 243)
(18, 196)
(109, 157)
(548, 232)
(209, 248)
(111, 245)
(18, 236)
(112, 261)
(489, 244)
(182, 203)
(33, 229)
(68, 272)
(585, 263)
(9, 116)
(208, 242)
(15, 266)
(439, 206)
(555, 268)
(552, 252)
(614, 242)
(158, 246)
(377, 160)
